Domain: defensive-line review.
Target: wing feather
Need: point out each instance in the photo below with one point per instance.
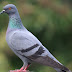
(27, 45)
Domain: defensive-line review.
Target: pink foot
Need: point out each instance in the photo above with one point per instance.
(25, 70)
(21, 70)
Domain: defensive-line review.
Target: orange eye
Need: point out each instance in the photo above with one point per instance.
(9, 8)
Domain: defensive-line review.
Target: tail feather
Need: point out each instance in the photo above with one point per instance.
(64, 69)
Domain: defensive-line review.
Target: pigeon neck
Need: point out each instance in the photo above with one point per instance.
(15, 22)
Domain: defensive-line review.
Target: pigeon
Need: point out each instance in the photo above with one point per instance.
(25, 45)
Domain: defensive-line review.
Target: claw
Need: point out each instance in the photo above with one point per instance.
(25, 70)
(19, 71)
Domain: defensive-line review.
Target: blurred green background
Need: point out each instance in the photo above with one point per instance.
(50, 21)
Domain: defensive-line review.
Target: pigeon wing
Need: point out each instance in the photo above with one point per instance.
(27, 45)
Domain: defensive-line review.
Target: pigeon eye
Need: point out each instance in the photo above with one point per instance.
(9, 8)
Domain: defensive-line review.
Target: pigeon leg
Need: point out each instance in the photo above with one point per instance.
(21, 70)
(26, 68)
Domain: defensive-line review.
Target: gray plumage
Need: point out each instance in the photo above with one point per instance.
(25, 45)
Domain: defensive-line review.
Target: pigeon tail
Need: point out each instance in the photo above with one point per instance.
(64, 69)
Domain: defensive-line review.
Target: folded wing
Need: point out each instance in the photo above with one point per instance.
(27, 45)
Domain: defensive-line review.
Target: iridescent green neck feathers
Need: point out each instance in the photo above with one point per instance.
(15, 23)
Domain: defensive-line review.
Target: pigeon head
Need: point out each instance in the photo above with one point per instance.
(9, 9)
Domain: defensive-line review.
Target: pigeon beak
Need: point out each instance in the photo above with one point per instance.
(3, 11)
